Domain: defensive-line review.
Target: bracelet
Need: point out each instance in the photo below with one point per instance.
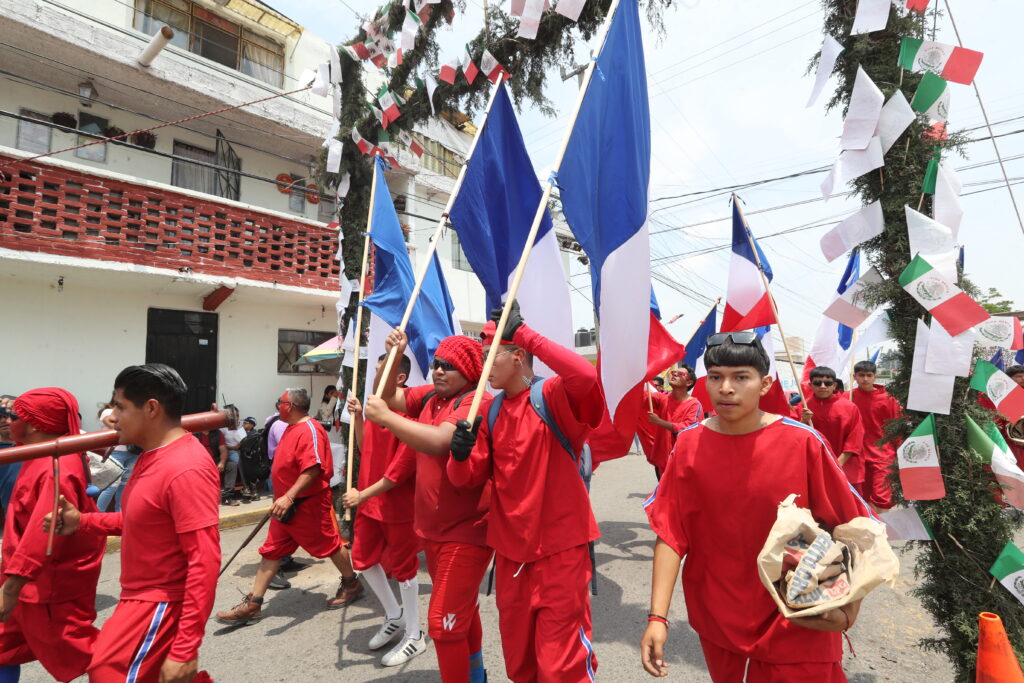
(659, 619)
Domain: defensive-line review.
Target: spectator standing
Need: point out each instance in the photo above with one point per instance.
(123, 455)
(230, 465)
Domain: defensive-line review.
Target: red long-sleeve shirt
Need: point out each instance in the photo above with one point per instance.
(539, 504)
(876, 408)
(73, 569)
(838, 420)
(170, 545)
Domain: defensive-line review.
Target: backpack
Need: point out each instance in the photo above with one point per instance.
(254, 453)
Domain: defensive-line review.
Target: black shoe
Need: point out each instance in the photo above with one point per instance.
(292, 565)
(278, 582)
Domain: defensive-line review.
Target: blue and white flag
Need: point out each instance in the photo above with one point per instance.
(832, 342)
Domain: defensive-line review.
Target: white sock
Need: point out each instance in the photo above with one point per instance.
(410, 591)
(377, 580)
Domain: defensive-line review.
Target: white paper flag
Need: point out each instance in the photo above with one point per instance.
(852, 164)
(859, 227)
(849, 308)
(905, 524)
(332, 132)
(431, 87)
(875, 332)
(306, 77)
(516, 10)
(949, 355)
(946, 201)
(934, 241)
(343, 185)
(335, 66)
(334, 156)
(929, 393)
(830, 50)
(872, 15)
(322, 80)
(336, 103)
(896, 116)
(863, 112)
(530, 21)
(570, 8)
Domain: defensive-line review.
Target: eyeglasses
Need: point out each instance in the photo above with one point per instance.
(444, 365)
(283, 403)
(822, 382)
(748, 338)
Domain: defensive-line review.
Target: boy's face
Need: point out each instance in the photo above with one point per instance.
(736, 391)
(823, 387)
(1018, 378)
(865, 380)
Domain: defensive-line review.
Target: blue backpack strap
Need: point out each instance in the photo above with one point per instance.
(540, 406)
(492, 412)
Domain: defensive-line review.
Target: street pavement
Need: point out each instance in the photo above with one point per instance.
(299, 641)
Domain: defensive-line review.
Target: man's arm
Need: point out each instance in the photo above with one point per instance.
(393, 394)
(202, 554)
(577, 376)
(223, 448)
(853, 438)
(663, 578)
(302, 482)
(355, 497)
(425, 438)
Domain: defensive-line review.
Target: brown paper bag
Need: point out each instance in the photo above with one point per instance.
(808, 571)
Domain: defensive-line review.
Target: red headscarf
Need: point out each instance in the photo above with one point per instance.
(464, 353)
(51, 410)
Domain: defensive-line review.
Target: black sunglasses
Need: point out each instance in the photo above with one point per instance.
(749, 338)
(822, 382)
(442, 365)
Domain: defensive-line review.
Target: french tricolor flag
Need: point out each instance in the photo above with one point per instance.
(747, 302)
(831, 346)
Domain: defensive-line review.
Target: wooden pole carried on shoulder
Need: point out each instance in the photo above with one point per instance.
(428, 257)
(357, 335)
(771, 300)
(703, 320)
(538, 217)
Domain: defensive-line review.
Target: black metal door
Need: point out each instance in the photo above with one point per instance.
(187, 341)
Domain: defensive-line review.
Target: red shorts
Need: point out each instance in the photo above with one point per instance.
(877, 488)
(134, 642)
(314, 528)
(393, 546)
(726, 666)
(544, 617)
(456, 570)
(60, 635)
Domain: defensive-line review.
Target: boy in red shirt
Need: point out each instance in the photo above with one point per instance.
(839, 422)
(541, 522)
(302, 515)
(170, 544)
(47, 604)
(673, 412)
(715, 506)
(877, 406)
(384, 543)
(450, 522)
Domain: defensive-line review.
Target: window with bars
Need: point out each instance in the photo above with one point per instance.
(200, 31)
(439, 159)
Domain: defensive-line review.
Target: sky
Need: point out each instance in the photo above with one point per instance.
(728, 87)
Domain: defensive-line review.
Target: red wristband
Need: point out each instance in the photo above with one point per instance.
(655, 617)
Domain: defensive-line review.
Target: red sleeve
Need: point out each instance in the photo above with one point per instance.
(30, 555)
(305, 453)
(664, 507)
(833, 500)
(688, 413)
(193, 499)
(414, 399)
(476, 469)
(402, 467)
(853, 430)
(202, 553)
(576, 380)
(101, 523)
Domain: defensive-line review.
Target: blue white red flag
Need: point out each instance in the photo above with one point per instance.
(747, 302)
(695, 349)
(832, 342)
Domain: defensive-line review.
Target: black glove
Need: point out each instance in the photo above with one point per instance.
(464, 438)
(515, 321)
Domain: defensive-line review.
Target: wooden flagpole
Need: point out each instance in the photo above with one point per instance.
(356, 337)
(704, 320)
(442, 222)
(771, 300)
(542, 205)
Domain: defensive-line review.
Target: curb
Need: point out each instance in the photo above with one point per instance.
(231, 520)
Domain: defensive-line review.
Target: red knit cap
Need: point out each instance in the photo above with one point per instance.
(51, 410)
(464, 353)
(487, 334)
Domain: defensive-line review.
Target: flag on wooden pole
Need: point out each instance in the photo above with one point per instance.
(747, 302)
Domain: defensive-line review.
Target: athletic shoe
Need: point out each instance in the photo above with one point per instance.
(386, 633)
(349, 591)
(278, 582)
(292, 565)
(405, 650)
(246, 612)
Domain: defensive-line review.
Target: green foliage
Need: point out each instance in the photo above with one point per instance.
(994, 302)
(954, 582)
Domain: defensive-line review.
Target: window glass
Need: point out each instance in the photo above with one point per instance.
(90, 123)
(193, 176)
(297, 199)
(326, 210)
(459, 260)
(33, 137)
(291, 344)
(214, 44)
(150, 15)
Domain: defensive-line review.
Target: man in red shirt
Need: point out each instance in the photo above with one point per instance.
(451, 522)
(541, 522)
(673, 412)
(877, 406)
(170, 544)
(715, 506)
(302, 514)
(384, 542)
(47, 604)
(839, 422)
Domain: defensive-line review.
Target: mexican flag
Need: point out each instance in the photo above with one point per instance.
(388, 106)
(410, 142)
(447, 74)
(1009, 570)
(1003, 331)
(918, 458)
(1007, 396)
(947, 303)
(377, 56)
(994, 451)
(932, 97)
(361, 142)
(357, 51)
(469, 69)
(492, 68)
(957, 64)
(931, 173)
(906, 524)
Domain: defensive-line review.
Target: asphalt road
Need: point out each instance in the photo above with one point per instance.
(298, 640)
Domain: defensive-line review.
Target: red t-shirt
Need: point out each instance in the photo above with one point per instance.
(715, 505)
(540, 504)
(839, 422)
(380, 448)
(444, 512)
(876, 407)
(74, 568)
(303, 445)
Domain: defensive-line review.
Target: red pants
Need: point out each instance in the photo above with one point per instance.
(314, 528)
(877, 488)
(544, 617)
(60, 635)
(726, 666)
(456, 570)
(134, 642)
(393, 546)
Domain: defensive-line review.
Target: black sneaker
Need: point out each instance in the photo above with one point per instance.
(279, 583)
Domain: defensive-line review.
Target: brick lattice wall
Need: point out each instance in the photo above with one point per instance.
(69, 213)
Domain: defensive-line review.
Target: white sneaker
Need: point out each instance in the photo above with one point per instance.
(405, 650)
(386, 633)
